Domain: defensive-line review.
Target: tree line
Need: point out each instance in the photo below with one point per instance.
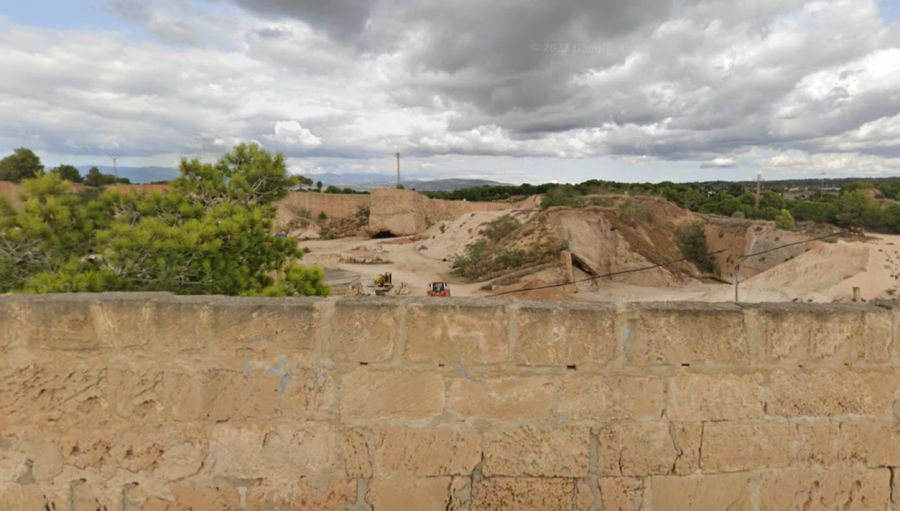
(23, 164)
(210, 233)
(853, 205)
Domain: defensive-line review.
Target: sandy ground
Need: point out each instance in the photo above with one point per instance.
(825, 273)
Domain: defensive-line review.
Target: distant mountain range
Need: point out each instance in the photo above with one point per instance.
(136, 174)
(355, 181)
(370, 181)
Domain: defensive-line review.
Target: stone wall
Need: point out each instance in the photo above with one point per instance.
(155, 402)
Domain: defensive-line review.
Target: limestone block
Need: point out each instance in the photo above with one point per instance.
(622, 493)
(189, 498)
(553, 335)
(583, 397)
(832, 392)
(128, 320)
(183, 324)
(513, 397)
(272, 452)
(854, 489)
(676, 334)
(57, 322)
(337, 494)
(91, 496)
(57, 391)
(357, 450)
(687, 437)
(279, 389)
(9, 334)
(734, 446)
(829, 442)
(716, 396)
(264, 326)
(423, 452)
(134, 396)
(364, 330)
(537, 452)
(635, 449)
(701, 492)
(431, 493)
(523, 494)
(797, 333)
(32, 497)
(460, 494)
(449, 333)
(371, 394)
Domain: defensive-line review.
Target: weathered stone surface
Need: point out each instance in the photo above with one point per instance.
(164, 403)
(57, 392)
(622, 493)
(127, 320)
(31, 496)
(183, 324)
(9, 334)
(832, 392)
(611, 397)
(453, 334)
(258, 451)
(735, 446)
(512, 397)
(57, 322)
(716, 396)
(422, 452)
(258, 326)
(830, 442)
(523, 494)
(363, 331)
(687, 438)
(635, 449)
(854, 489)
(338, 494)
(189, 498)
(701, 492)
(357, 447)
(552, 335)
(431, 493)
(797, 333)
(368, 394)
(537, 452)
(676, 334)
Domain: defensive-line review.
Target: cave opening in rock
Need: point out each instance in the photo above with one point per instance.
(383, 235)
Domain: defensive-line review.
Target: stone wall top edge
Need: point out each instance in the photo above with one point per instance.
(458, 302)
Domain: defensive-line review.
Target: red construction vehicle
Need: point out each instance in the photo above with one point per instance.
(441, 289)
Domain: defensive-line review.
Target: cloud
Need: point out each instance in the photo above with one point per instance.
(708, 81)
(292, 134)
(719, 163)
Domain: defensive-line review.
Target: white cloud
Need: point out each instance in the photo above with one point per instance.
(290, 133)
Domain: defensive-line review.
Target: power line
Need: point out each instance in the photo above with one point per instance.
(667, 263)
(607, 275)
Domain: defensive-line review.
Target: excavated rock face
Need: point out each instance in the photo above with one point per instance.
(405, 212)
(398, 212)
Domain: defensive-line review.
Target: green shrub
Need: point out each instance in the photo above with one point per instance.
(694, 248)
(561, 195)
(784, 220)
(499, 228)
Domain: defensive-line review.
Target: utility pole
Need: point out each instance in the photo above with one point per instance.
(822, 188)
(758, 187)
(398, 169)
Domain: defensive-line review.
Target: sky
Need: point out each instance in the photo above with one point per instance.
(509, 90)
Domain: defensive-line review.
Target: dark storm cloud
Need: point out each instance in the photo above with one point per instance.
(674, 79)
